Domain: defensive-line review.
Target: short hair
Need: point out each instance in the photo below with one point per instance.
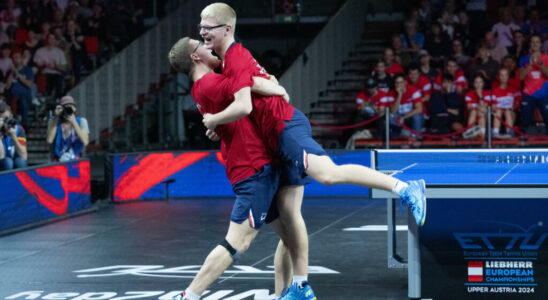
(413, 67)
(398, 75)
(221, 12)
(179, 56)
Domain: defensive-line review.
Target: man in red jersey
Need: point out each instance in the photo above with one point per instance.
(369, 100)
(459, 84)
(405, 104)
(287, 130)
(248, 165)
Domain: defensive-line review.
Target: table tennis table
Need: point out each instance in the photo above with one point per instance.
(469, 184)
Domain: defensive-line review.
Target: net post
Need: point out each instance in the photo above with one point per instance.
(489, 127)
(387, 127)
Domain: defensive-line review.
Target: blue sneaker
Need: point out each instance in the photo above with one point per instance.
(416, 200)
(296, 292)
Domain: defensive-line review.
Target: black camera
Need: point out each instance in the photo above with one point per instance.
(10, 123)
(67, 110)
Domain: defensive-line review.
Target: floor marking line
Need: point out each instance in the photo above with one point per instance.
(507, 173)
(309, 237)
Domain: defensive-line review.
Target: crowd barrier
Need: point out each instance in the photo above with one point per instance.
(42, 193)
(153, 176)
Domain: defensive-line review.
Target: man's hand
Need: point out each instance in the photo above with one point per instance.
(11, 132)
(71, 119)
(209, 121)
(212, 135)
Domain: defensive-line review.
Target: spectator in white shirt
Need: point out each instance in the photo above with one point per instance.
(52, 62)
(503, 30)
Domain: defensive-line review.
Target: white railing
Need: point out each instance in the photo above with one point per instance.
(310, 72)
(105, 94)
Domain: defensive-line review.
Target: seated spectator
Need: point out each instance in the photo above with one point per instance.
(4, 38)
(436, 45)
(6, 64)
(405, 105)
(425, 68)
(484, 65)
(368, 100)
(383, 79)
(402, 56)
(458, 55)
(509, 63)
(519, 48)
(503, 30)
(391, 66)
(411, 39)
(66, 132)
(52, 62)
(29, 48)
(445, 108)
(503, 102)
(77, 48)
(496, 51)
(20, 86)
(448, 18)
(420, 82)
(463, 31)
(534, 73)
(452, 68)
(9, 17)
(13, 148)
(534, 25)
(477, 100)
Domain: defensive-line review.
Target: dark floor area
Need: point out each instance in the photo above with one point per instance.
(153, 249)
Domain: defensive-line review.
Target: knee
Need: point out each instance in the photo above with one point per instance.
(326, 178)
(6, 163)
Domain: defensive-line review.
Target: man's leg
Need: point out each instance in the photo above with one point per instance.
(19, 163)
(527, 110)
(543, 107)
(283, 264)
(239, 236)
(6, 164)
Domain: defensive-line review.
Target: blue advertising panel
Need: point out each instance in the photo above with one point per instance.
(201, 174)
(485, 249)
(38, 194)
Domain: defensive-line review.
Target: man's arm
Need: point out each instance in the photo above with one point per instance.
(417, 109)
(268, 87)
(20, 149)
(238, 109)
(83, 136)
(52, 126)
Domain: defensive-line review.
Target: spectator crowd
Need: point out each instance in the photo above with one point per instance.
(45, 48)
(450, 63)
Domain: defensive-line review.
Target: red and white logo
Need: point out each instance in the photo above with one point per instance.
(475, 271)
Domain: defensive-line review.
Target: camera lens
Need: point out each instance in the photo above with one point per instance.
(67, 110)
(10, 122)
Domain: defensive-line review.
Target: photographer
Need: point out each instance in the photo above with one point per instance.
(13, 149)
(67, 132)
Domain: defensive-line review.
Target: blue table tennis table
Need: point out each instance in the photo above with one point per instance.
(467, 189)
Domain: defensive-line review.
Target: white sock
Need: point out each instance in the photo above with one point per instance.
(495, 131)
(399, 187)
(483, 131)
(299, 279)
(190, 295)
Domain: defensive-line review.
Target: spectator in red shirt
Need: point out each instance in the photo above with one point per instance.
(420, 82)
(368, 100)
(503, 103)
(459, 81)
(392, 67)
(405, 105)
(477, 100)
(426, 69)
(509, 63)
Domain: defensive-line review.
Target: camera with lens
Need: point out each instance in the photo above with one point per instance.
(10, 123)
(67, 110)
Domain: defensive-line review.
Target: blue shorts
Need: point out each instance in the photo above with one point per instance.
(254, 197)
(295, 142)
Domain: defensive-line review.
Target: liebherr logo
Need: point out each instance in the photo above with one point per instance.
(242, 272)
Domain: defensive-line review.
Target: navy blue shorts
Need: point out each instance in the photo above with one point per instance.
(295, 142)
(254, 197)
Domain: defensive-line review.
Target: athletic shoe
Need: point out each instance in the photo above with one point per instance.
(296, 292)
(416, 200)
(181, 297)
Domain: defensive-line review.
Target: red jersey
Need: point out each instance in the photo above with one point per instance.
(534, 82)
(269, 112)
(375, 100)
(513, 82)
(473, 98)
(241, 145)
(458, 80)
(505, 98)
(411, 97)
(424, 85)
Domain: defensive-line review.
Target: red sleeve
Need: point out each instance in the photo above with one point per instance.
(239, 68)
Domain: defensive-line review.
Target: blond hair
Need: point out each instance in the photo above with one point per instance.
(179, 56)
(220, 12)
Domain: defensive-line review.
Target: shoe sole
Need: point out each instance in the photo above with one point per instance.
(423, 187)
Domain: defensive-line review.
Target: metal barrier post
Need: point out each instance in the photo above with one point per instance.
(387, 127)
(489, 127)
